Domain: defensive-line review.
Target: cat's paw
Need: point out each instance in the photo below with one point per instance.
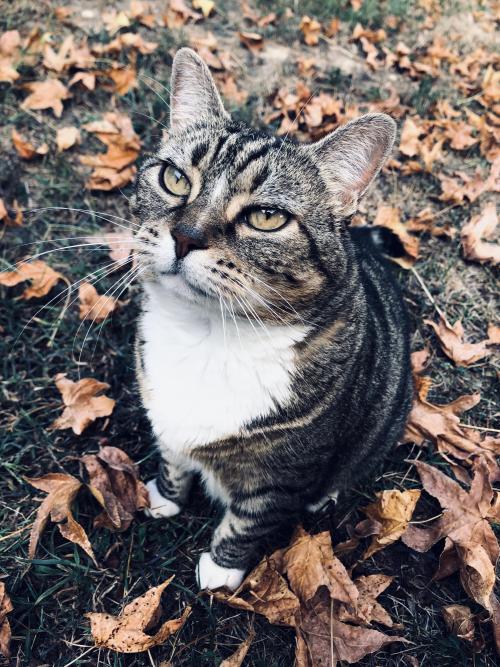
(212, 576)
(160, 507)
(323, 504)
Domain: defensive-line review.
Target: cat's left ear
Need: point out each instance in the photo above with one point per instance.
(193, 94)
(350, 157)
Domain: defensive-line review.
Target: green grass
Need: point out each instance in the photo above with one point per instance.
(52, 593)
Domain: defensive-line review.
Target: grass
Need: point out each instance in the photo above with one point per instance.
(51, 593)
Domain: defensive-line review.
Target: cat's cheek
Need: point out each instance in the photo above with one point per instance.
(210, 575)
(164, 253)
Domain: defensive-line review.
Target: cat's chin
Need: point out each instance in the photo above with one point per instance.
(176, 284)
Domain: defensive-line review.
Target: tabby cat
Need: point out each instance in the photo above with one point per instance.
(272, 350)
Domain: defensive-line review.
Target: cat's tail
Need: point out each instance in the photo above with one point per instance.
(381, 238)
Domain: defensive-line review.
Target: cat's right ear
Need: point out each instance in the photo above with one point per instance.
(193, 94)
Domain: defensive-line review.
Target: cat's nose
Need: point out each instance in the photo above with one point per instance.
(187, 239)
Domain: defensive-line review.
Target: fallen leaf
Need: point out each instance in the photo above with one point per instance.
(66, 137)
(82, 405)
(94, 306)
(205, 6)
(41, 276)
(252, 40)
(459, 620)
(388, 216)
(389, 517)
(309, 562)
(10, 43)
(24, 148)
(330, 640)
(419, 360)
(311, 29)
(87, 79)
(12, 216)
(472, 236)
(127, 632)
(115, 20)
(5, 632)
(141, 12)
(120, 244)
(266, 592)
(114, 482)
(410, 138)
(451, 339)
(124, 79)
(178, 14)
(48, 94)
(126, 40)
(236, 659)
(61, 490)
(366, 609)
(69, 55)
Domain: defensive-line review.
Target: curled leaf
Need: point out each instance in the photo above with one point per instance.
(5, 632)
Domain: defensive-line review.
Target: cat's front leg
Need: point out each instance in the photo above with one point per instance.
(168, 492)
(233, 546)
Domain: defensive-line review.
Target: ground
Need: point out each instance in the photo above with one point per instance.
(52, 593)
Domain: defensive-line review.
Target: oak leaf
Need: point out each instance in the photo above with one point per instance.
(451, 339)
(66, 137)
(82, 405)
(48, 94)
(236, 659)
(388, 518)
(309, 562)
(41, 276)
(474, 233)
(265, 592)
(25, 149)
(61, 491)
(5, 632)
(115, 483)
(127, 632)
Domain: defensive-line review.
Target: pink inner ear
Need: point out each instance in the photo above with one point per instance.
(368, 170)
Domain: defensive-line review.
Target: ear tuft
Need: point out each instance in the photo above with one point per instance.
(350, 157)
(193, 94)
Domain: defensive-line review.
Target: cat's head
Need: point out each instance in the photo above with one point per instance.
(228, 211)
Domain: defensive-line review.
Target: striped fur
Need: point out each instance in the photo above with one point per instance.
(310, 310)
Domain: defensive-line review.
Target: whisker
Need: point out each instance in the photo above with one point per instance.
(103, 216)
(141, 77)
(92, 246)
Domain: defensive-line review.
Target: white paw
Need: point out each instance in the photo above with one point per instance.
(160, 507)
(322, 503)
(212, 576)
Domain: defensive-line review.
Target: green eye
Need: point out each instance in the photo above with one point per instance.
(267, 219)
(174, 181)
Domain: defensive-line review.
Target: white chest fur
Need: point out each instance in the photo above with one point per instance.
(204, 381)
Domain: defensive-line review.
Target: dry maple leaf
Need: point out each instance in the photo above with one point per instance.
(367, 610)
(472, 236)
(82, 405)
(460, 621)
(61, 490)
(66, 137)
(47, 94)
(25, 149)
(115, 20)
(451, 339)
(12, 216)
(236, 659)
(330, 640)
(115, 483)
(311, 29)
(265, 592)
(309, 562)
(41, 275)
(470, 543)
(205, 6)
(388, 216)
(127, 632)
(389, 517)
(69, 55)
(178, 14)
(10, 43)
(252, 40)
(409, 144)
(124, 79)
(5, 633)
(94, 306)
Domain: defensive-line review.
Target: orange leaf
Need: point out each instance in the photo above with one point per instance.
(94, 306)
(311, 29)
(24, 148)
(472, 236)
(451, 339)
(42, 277)
(82, 405)
(66, 137)
(5, 632)
(48, 94)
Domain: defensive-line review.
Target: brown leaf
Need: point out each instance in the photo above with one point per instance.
(330, 640)
(419, 360)
(388, 216)
(477, 573)
(61, 490)
(115, 20)
(48, 94)
(252, 40)
(87, 79)
(465, 523)
(69, 55)
(311, 29)
(10, 43)
(367, 610)
(126, 40)
(205, 6)
(115, 483)
(94, 306)
(41, 275)
(265, 592)
(309, 562)
(472, 236)
(12, 216)
(25, 149)
(66, 137)
(124, 79)
(451, 339)
(236, 660)
(410, 138)
(82, 405)
(390, 514)
(178, 14)
(126, 633)
(459, 620)
(5, 632)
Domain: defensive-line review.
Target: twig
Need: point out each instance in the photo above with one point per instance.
(426, 291)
